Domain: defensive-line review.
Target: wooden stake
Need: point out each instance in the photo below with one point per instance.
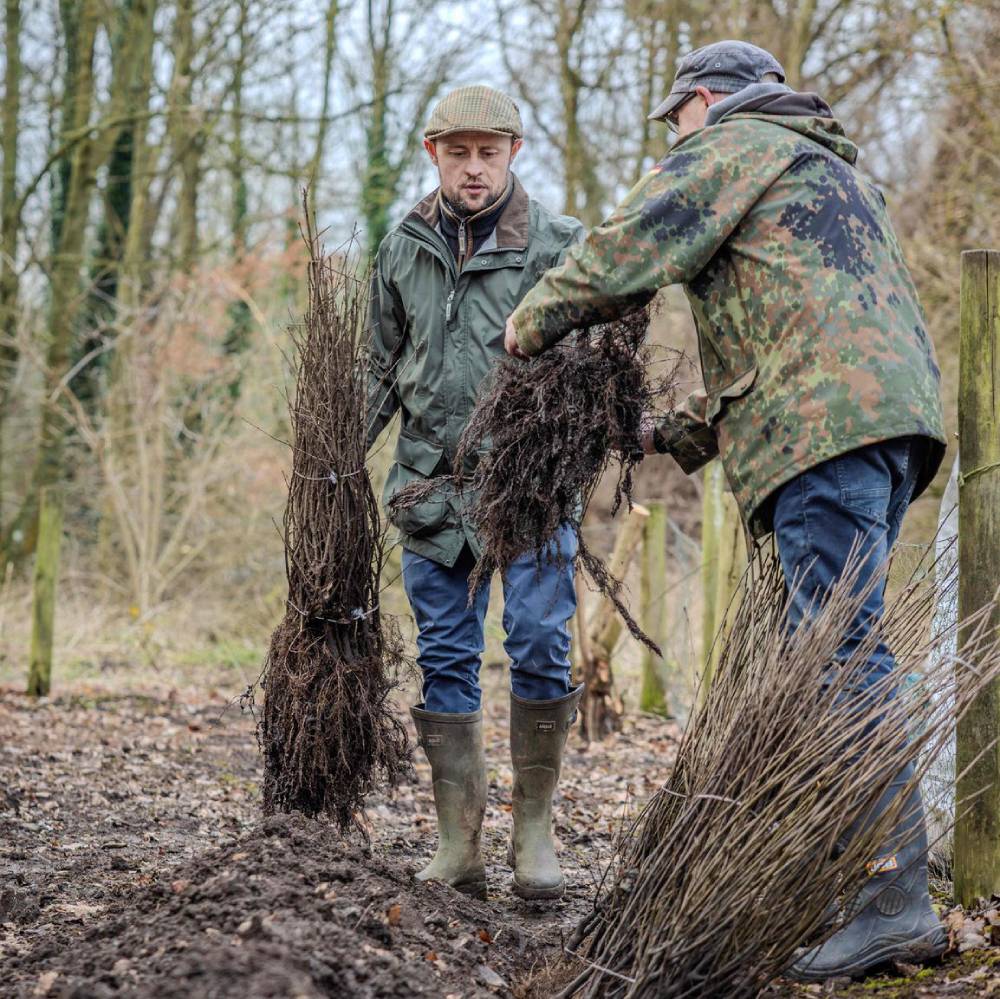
(44, 602)
(602, 707)
(724, 558)
(977, 828)
(653, 619)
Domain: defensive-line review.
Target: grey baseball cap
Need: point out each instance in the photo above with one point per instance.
(724, 67)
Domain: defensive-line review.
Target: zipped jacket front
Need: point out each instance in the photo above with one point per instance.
(436, 334)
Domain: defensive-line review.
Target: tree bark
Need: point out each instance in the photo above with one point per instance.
(65, 300)
(8, 217)
(977, 830)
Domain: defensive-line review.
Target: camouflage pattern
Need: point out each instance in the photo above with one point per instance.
(436, 334)
(811, 337)
(475, 109)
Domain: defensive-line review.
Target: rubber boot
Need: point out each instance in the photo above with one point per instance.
(538, 731)
(891, 919)
(454, 747)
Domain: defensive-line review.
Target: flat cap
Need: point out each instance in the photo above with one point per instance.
(474, 109)
(723, 67)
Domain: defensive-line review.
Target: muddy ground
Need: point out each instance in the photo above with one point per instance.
(133, 861)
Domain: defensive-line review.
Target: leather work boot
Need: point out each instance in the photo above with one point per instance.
(891, 919)
(454, 747)
(538, 731)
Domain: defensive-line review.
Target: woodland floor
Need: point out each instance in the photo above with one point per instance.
(133, 861)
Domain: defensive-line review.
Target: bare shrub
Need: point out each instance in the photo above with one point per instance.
(327, 730)
(732, 865)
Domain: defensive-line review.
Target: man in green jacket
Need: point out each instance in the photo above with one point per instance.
(821, 387)
(445, 279)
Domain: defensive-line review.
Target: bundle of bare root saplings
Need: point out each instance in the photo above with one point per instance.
(327, 730)
(740, 857)
(541, 437)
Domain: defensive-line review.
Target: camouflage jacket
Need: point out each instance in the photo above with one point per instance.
(811, 337)
(437, 332)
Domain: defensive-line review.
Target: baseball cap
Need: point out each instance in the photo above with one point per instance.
(724, 67)
(474, 109)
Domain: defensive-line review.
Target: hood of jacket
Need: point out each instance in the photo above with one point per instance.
(805, 113)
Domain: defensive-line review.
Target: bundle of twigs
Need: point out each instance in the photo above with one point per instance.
(327, 731)
(541, 437)
(736, 861)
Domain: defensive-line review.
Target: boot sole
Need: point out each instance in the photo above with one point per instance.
(915, 950)
(538, 894)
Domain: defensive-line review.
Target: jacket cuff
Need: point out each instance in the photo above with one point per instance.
(692, 445)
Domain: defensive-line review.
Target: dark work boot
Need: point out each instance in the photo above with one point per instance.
(891, 919)
(538, 731)
(454, 747)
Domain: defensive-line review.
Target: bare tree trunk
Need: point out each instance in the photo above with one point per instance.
(8, 217)
(322, 129)
(186, 134)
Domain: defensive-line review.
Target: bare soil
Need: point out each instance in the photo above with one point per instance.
(134, 862)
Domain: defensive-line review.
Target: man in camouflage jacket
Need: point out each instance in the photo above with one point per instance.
(821, 387)
(445, 279)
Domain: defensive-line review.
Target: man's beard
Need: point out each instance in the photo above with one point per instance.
(463, 211)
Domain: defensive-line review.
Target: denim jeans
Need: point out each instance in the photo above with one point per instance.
(818, 516)
(537, 607)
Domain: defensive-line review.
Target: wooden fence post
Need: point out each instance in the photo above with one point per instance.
(653, 606)
(977, 829)
(602, 708)
(44, 598)
(724, 558)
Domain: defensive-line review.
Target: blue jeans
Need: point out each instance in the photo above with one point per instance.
(818, 516)
(536, 613)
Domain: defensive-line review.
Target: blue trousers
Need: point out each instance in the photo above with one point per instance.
(818, 516)
(450, 642)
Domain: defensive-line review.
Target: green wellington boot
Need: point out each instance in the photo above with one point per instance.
(538, 731)
(892, 918)
(454, 747)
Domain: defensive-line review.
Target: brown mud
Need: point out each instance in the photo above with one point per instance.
(134, 862)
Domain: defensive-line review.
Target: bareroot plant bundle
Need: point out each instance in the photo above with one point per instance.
(327, 730)
(540, 438)
(739, 858)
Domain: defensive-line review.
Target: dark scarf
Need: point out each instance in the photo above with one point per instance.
(466, 234)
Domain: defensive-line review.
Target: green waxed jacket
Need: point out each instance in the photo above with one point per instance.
(812, 340)
(436, 334)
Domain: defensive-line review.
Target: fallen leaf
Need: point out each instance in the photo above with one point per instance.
(45, 982)
(485, 937)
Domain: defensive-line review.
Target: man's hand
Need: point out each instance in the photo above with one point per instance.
(510, 343)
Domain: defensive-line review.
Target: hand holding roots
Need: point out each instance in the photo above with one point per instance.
(327, 730)
(541, 437)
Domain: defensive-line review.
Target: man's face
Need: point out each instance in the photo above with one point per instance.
(473, 167)
(691, 114)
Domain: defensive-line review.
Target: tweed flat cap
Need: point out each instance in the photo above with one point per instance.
(474, 109)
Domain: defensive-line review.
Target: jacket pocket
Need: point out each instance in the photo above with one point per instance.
(418, 459)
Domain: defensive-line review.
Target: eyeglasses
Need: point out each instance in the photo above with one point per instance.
(672, 121)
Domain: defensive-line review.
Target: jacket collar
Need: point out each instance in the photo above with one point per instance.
(511, 230)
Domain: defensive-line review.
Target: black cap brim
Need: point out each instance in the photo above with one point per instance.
(673, 101)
